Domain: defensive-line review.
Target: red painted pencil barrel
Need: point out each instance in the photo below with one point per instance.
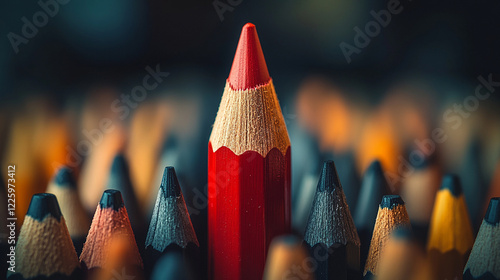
(249, 204)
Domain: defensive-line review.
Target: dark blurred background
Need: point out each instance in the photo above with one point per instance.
(91, 41)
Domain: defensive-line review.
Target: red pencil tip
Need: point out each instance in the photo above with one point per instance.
(249, 68)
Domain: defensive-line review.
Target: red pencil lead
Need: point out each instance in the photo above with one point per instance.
(249, 68)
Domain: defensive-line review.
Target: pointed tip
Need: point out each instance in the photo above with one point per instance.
(169, 183)
(391, 201)
(375, 171)
(64, 178)
(452, 183)
(249, 68)
(329, 179)
(493, 213)
(43, 204)
(119, 163)
(111, 199)
(375, 167)
(119, 175)
(375, 179)
(248, 25)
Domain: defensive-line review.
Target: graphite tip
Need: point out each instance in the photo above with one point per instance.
(43, 204)
(64, 178)
(111, 199)
(391, 201)
(169, 183)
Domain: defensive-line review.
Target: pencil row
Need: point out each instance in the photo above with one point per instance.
(330, 248)
(45, 247)
(331, 245)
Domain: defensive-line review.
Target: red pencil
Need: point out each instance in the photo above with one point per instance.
(248, 168)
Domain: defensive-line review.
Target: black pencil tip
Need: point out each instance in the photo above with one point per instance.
(451, 182)
(391, 201)
(288, 239)
(43, 204)
(111, 199)
(64, 178)
(493, 213)
(421, 162)
(119, 164)
(375, 166)
(329, 179)
(169, 183)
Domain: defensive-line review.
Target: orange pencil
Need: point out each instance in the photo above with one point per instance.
(110, 220)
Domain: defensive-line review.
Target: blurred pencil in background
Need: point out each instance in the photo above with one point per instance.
(403, 258)
(63, 186)
(172, 266)
(44, 248)
(475, 187)
(419, 191)
(170, 229)
(101, 137)
(117, 263)
(149, 128)
(391, 215)
(288, 259)
(119, 179)
(494, 189)
(37, 141)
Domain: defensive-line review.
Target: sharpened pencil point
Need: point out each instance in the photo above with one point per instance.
(111, 199)
(43, 204)
(493, 213)
(169, 183)
(238, 203)
(391, 201)
(64, 178)
(249, 68)
(119, 179)
(329, 179)
(119, 163)
(452, 183)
